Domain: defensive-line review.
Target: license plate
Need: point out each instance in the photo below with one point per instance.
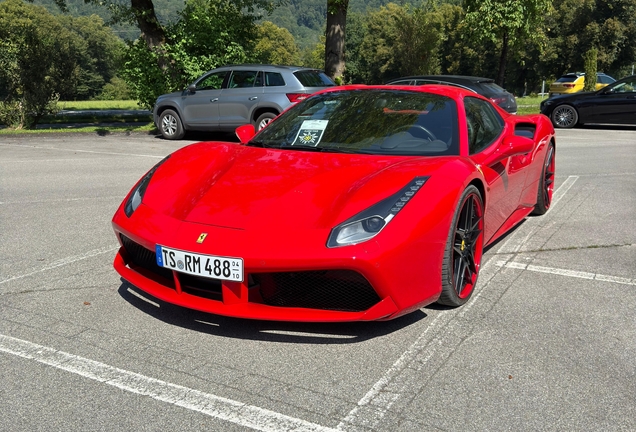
(210, 266)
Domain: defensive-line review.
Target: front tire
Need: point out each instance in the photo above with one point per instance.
(170, 125)
(546, 184)
(565, 116)
(464, 248)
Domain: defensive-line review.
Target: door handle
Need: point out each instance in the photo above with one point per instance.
(214, 100)
(253, 98)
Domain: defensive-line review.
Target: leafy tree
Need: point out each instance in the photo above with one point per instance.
(276, 45)
(356, 67)
(314, 57)
(101, 56)
(209, 33)
(38, 62)
(115, 89)
(590, 69)
(508, 23)
(399, 41)
(579, 25)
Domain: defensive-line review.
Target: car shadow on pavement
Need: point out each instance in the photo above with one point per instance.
(274, 331)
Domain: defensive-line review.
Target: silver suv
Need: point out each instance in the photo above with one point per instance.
(231, 96)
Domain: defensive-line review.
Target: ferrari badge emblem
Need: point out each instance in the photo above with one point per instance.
(202, 237)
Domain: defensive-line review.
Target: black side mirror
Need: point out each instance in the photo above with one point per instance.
(192, 88)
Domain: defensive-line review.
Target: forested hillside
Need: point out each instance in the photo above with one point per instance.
(166, 10)
(305, 19)
(519, 43)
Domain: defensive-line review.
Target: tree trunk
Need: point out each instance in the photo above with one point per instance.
(151, 30)
(335, 38)
(503, 59)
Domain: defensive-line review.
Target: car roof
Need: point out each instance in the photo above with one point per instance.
(444, 90)
(266, 66)
(450, 78)
(578, 74)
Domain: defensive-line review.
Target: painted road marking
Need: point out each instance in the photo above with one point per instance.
(83, 151)
(54, 200)
(376, 402)
(63, 262)
(566, 272)
(214, 406)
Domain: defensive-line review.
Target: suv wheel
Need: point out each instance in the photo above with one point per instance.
(264, 119)
(170, 125)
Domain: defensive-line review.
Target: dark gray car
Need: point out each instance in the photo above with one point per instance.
(483, 86)
(231, 96)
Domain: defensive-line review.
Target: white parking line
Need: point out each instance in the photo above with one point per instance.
(214, 406)
(63, 261)
(566, 272)
(378, 399)
(44, 201)
(83, 151)
(513, 243)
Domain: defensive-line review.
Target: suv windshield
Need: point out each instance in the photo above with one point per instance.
(368, 121)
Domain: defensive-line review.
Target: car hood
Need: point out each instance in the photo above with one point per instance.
(240, 187)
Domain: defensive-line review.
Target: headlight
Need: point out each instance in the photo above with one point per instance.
(138, 192)
(545, 103)
(367, 224)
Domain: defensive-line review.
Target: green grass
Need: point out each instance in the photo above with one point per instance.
(99, 105)
(529, 105)
(99, 130)
(67, 124)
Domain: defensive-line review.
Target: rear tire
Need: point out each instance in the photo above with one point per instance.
(546, 184)
(464, 248)
(263, 120)
(170, 125)
(565, 116)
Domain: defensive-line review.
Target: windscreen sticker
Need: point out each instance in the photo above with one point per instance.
(311, 132)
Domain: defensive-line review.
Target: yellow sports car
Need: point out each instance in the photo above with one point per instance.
(574, 82)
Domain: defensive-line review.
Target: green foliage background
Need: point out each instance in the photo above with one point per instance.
(88, 58)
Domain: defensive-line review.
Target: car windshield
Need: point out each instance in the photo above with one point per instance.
(369, 121)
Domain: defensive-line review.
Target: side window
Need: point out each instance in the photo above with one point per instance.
(242, 79)
(484, 124)
(259, 79)
(214, 81)
(625, 87)
(274, 79)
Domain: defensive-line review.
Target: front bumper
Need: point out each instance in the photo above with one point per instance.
(285, 281)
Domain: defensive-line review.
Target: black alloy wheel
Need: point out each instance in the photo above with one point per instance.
(462, 257)
(546, 183)
(565, 116)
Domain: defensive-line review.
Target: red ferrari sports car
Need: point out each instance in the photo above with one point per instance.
(359, 203)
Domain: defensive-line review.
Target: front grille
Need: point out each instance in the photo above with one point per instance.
(144, 258)
(339, 290)
(201, 286)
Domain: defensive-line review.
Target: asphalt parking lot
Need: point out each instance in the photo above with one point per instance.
(548, 341)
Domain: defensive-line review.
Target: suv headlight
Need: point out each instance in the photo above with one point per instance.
(368, 223)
